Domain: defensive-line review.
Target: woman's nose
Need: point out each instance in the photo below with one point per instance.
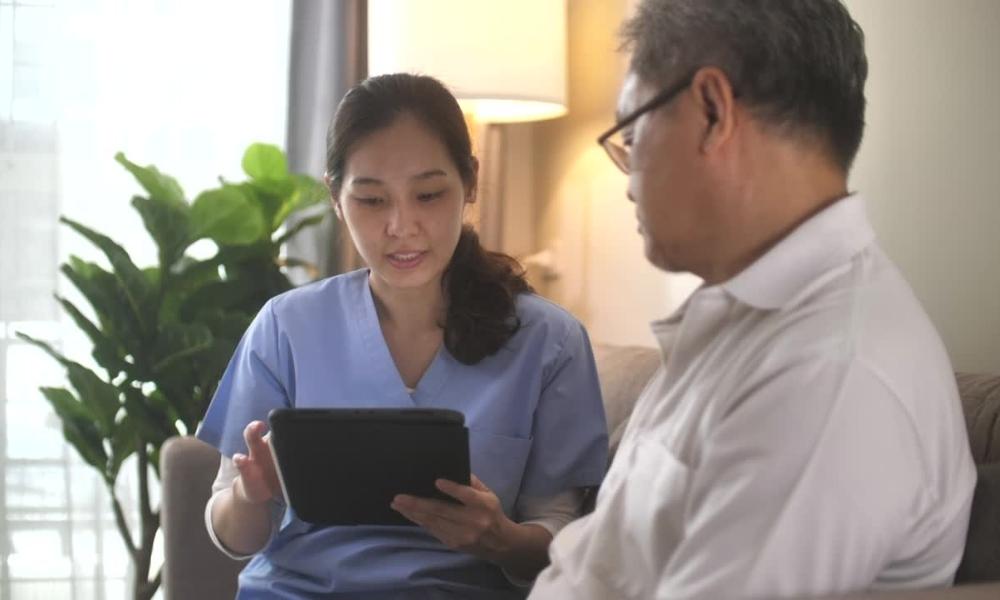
(402, 220)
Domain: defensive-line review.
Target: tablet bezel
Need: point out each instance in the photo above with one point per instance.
(385, 451)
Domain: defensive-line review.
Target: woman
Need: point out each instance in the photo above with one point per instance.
(434, 321)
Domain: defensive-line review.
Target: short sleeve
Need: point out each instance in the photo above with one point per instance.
(569, 434)
(255, 382)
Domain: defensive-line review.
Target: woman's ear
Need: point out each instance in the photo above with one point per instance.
(334, 196)
(470, 194)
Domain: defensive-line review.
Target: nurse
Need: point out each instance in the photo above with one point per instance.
(435, 321)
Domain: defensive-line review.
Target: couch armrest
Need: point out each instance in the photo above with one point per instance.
(193, 567)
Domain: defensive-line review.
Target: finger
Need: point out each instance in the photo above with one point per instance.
(463, 493)
(253, 434)
(445, 530)
(425, 509)
(477, 484)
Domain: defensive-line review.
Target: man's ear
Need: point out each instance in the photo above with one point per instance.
(713, 94)
(470, 193)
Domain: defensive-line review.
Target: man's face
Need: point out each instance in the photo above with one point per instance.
(667, 178)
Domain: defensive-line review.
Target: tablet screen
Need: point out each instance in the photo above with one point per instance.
(344, 466)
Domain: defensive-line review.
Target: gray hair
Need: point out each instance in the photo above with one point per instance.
(798, 65)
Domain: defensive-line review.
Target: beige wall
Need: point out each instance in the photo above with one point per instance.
(583, 214)
(930, 162)
(929, 166)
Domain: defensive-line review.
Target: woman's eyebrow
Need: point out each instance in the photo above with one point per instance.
(430, 174)
(365, 181)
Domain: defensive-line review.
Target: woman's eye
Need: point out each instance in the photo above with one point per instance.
(427, 197)
(368, 200)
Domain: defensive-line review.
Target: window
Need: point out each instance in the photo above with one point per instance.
(183, 85)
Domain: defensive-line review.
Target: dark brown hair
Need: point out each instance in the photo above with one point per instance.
(480, 286)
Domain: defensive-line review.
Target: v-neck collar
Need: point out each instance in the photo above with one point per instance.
(389, 384)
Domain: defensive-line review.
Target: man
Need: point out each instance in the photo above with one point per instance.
(804, 434)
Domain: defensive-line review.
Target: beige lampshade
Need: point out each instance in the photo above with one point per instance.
(505, 60)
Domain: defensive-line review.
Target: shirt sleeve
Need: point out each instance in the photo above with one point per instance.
(223, 481)
(569, 434)
(257, 380)
(551, 513)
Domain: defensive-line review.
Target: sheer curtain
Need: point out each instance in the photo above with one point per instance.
(185, 85)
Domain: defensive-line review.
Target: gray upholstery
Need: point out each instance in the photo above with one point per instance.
(193, 567)
(196, 570)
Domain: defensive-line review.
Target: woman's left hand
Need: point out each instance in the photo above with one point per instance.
(478, 525)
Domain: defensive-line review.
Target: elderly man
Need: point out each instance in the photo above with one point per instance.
(804, 434)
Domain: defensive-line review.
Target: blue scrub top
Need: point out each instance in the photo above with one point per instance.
(533, 409)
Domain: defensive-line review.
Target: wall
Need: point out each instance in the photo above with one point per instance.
(929, 166)
(930, 162)
(582, 212)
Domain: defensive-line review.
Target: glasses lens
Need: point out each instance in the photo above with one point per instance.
(618, 154)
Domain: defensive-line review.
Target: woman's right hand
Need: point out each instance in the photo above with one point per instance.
(258, 481)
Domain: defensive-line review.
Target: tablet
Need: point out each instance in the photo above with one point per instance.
(344, 466)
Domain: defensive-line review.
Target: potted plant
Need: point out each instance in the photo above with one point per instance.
(162, 335)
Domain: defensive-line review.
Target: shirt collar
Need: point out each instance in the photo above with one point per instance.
(829, 238)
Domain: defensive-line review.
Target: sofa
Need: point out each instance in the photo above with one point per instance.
(194, 569)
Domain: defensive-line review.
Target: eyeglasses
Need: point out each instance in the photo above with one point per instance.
(619, 151)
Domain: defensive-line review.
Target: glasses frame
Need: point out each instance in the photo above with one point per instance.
(619, 154)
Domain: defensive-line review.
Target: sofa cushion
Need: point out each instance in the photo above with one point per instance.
(624, 372)
(982, 548)
(980, 393)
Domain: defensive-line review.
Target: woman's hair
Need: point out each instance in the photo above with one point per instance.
(480, 286)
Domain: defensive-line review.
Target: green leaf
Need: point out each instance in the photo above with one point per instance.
(270, 196)
(178, 341)
(299, 226)
(152, 425)
(46, 347)
(122, 446)
(100, 397)
(105, 352)
(189, 279)
(307, 192)
(227, 216)
(221, 295)
(109, 301)
(135, 284)
(78, 426)
(161, 187)
(265, 161)
(169, 225)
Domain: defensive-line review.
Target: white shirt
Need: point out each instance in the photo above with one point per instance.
(804, 436)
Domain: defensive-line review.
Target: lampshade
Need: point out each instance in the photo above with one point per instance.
(504, 61)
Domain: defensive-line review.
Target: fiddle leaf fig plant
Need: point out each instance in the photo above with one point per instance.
(163, 334)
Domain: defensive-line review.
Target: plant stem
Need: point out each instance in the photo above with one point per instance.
(150, 523)
(122, 525)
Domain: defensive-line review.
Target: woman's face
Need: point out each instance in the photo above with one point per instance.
(402, 199)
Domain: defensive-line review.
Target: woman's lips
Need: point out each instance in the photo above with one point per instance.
(405, 260)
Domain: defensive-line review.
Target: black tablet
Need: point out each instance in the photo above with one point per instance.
(344, 466)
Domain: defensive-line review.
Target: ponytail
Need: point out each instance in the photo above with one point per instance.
(481, 288)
